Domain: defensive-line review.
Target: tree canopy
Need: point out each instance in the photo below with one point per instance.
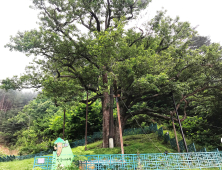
(145, 65)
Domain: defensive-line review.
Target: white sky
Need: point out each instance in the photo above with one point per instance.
(15, 15)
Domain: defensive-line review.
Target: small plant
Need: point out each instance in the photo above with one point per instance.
(37, 168)
(74, 165)
(69, 167)
(140, 166)
(2, 154)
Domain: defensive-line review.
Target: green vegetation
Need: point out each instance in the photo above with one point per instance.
(11, 103)
(134, 144)
(40, 121)
(26, 164)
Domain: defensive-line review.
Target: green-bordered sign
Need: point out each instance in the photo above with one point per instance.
(63, 155)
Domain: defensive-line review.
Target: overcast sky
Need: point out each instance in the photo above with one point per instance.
(15, 15)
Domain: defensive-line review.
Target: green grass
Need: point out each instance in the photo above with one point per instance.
(26, 164)
(132, 145)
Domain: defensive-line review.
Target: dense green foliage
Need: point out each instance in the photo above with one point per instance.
(204, 123)
(11, 103)
(43, 122)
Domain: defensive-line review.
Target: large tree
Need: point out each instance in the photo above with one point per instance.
(144, 66)
(64, 46)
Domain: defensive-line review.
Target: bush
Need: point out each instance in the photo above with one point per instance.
(36, 148)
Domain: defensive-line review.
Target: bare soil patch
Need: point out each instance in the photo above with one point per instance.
(5, 150)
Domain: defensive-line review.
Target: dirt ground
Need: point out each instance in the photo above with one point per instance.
(5, 150)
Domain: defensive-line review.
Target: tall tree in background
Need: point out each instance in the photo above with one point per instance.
(199, 41)
(63, 93)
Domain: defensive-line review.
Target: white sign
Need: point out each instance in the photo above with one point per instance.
(41, 160)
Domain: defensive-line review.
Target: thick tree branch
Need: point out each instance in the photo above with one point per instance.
(178, 74)
(188, 66)
(78, 76)
(131, 11)
(83, 23)
(68, 76)
(92, 100)
(198, 90)
(58, 25)
(68, 22)
(140, 99)
(193, 93)
(97, 20)
(81, 80)
(152, 113)
(169, 43)
(95, 64)
(140, 38)
(108, 15)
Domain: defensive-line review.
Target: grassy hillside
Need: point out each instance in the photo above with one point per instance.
(132, 145)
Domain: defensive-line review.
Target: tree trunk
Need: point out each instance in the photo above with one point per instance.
(116, 135)
(120, 126)
(175, 133)
(86, 121)
(111, 123)
(111, 130)
(116, 129)
(106, 114)
(3, 100)
(64, 119)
